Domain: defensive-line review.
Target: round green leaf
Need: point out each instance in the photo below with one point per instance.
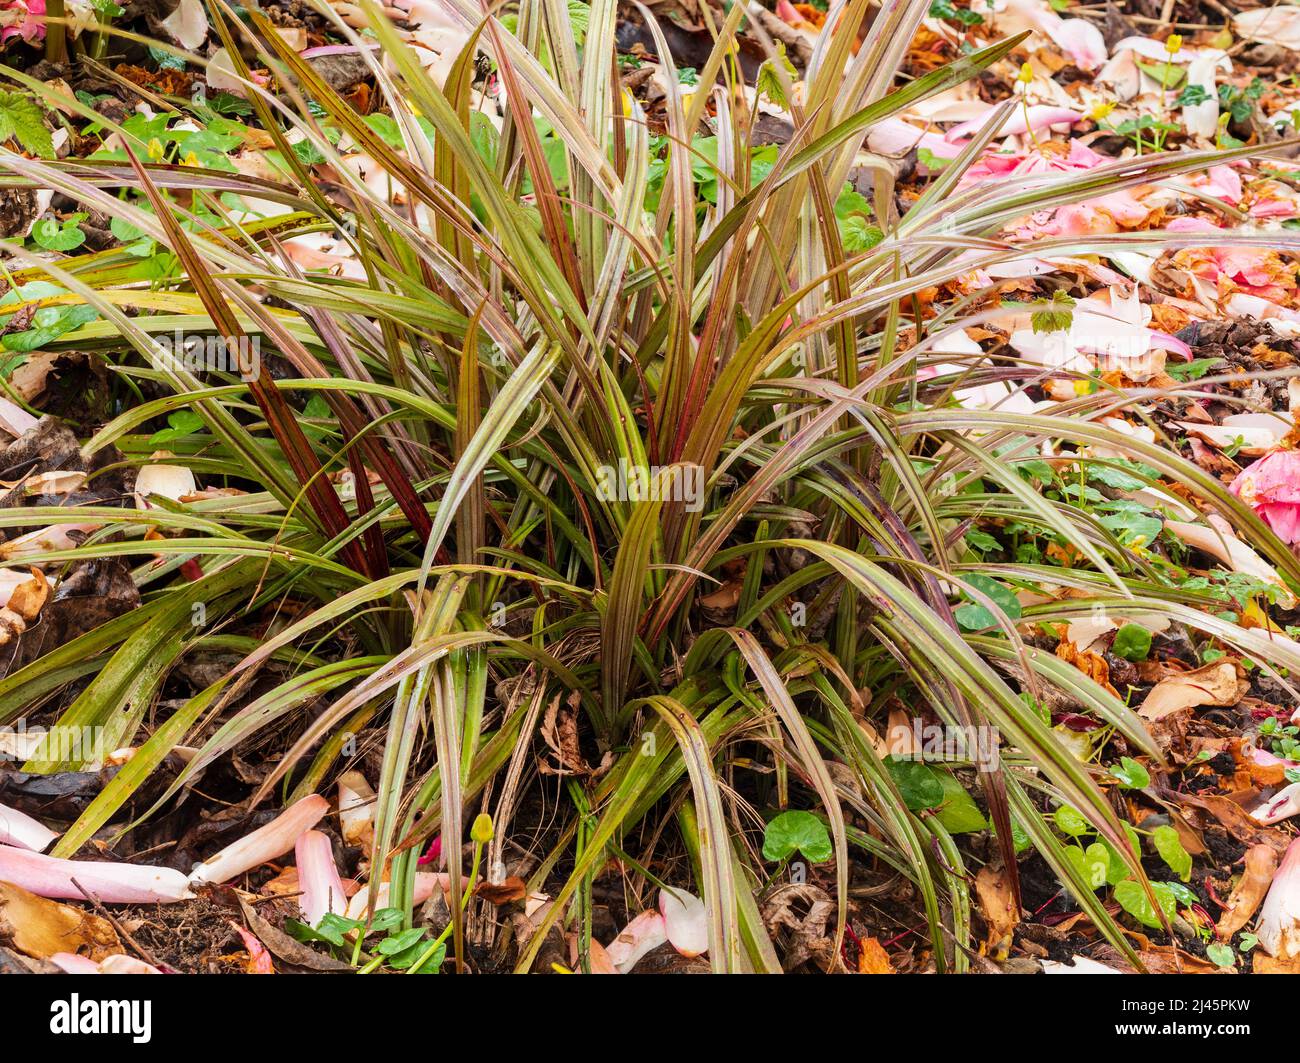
(792, 832)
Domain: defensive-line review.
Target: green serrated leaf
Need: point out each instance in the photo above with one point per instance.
(22, 118)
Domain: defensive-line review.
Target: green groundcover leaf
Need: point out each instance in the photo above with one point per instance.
(792, 832)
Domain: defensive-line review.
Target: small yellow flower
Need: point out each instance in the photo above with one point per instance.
(481, 832)
(1174, 43)
(1026, 74)
(1101, 110)
(155, 150)
(1083, 387)
(191, 160)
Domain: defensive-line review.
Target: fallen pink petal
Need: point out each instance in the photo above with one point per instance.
(266, 843)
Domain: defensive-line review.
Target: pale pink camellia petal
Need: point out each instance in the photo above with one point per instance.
(1245, 265)
(1265, 759)
(1004, 163)
(188, 24)
(263, 844)
(1278, 928)
(1077, 965)
(126, 965)
(172, 482)
(321, 251)
(1082, 42)
(259, 959)
(1202, 119)
(23, 18)
(318, 878)
(646, 932)
(425, 884)
(786, 12)
(1282, 805)
(55, 537)
(112, 883)
(1170, 343)
(1271, 487)
(686, 921)
(336, 49)
(1191, 225)
(1283, 518)
(20, 830)
(895, 138)
(1272, 24)
(1040, 117)
(14, 419)
(1221, 182)
(1243, 304)
(1157, 52)
(221, 75)
(1092, 217)
(1251, 439)
(428, 13)
(71, 963)
(1274, 208)
(356, 809)
(1122, 75)
(1218, 541)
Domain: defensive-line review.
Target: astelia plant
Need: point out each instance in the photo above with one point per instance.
(518, 323)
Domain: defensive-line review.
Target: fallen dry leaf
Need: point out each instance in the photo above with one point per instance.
(286, 948)
(1235, 820)
(1261, 863)
(1217, 683)
(1092, 665)
(724, 598)
(512, 889)
(42, 928)
(1165, 959)
(1266, 964)
(29, 598)
(873, 959)
(998, 903)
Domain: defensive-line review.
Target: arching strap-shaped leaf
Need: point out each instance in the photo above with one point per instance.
(770, 680)
(716, 870)
(501, 415)
(136, 770)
